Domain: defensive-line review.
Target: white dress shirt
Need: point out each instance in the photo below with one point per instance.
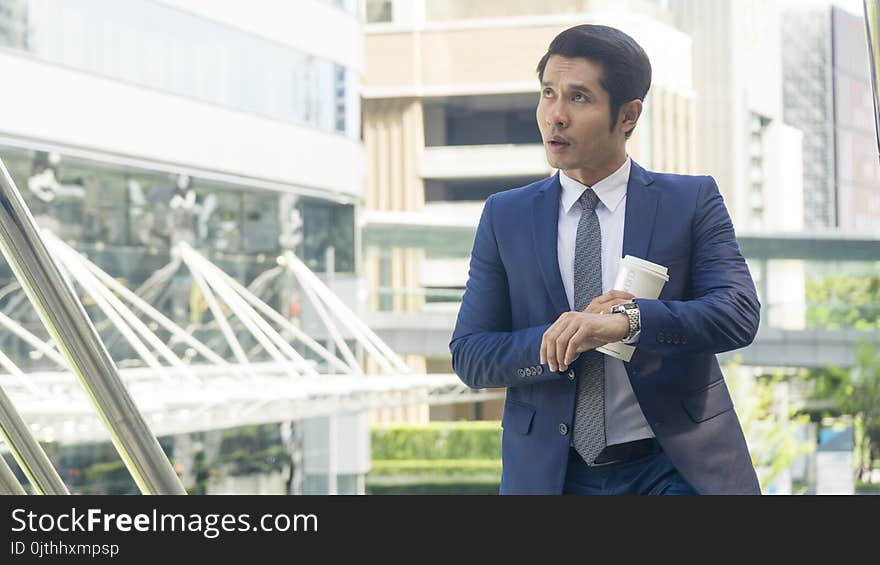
(624, 420)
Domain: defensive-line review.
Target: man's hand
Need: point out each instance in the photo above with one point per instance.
(576, 332)
(602, 304)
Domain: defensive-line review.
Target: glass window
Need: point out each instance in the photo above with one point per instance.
(261, 222)
(470, 190)
(13, 24)
(339, 98)
(481, 120)
(148, 209)
(220, 219)
(325, 225)
(379, 11)
(160, 47)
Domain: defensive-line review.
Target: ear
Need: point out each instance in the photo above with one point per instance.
(629, 114)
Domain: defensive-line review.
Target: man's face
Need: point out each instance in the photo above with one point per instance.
(574, 116)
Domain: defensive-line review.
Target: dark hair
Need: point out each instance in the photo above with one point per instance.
(626, 70)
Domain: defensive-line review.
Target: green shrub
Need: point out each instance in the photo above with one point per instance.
(433, 487)
(436, 468)
(103, 471)
(438, 440)
(863, 487)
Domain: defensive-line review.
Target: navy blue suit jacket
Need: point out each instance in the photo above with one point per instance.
(514, 293)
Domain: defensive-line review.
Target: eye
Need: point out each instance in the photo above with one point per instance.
(547, 91)
(579, 97)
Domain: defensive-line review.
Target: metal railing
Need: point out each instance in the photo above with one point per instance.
(872, 28)
(67, 322)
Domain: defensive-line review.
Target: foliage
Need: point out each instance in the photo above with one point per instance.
(250, 449)
(769, 428)
(436, 467)
(855, 392)
(98, 472)
(106, 477)
(243, 462)
(436, 458)
(867, 488)
(844, 302)
(438, 440)
(434, 487)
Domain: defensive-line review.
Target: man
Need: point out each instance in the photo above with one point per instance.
(538, 300)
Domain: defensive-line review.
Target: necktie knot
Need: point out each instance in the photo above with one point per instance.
(589, 199)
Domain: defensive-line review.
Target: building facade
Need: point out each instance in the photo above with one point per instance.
(131, 125)
(450, 93)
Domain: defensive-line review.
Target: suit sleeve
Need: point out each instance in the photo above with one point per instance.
(724, 311)
(485, 352)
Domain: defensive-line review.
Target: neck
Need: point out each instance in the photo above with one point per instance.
(589, 176)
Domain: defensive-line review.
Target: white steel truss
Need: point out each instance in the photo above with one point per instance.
(202, 390)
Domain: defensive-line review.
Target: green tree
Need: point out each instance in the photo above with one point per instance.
(768, 425)
(843, 302)
(854, 392)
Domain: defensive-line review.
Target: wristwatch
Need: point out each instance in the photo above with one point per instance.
(631, 309)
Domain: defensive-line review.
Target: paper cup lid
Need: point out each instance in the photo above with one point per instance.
(653, 268)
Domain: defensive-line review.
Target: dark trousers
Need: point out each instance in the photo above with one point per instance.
(652, 474)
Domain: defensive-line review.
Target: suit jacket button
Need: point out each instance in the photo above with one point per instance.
(661, 338)
(676, 340)
(521, 372)
(563, 429)
(571, 374)
(529, 371)
(539, 369)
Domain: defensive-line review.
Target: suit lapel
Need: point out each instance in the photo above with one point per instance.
(545, 224)
(641, 208)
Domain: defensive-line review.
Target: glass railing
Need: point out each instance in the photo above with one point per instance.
(785, 315)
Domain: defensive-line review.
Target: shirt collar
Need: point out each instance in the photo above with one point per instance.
(610, 190)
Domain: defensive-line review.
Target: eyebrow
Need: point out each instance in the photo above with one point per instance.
(573, 86)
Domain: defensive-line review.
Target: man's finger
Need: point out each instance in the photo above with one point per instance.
(562, 344)
(619, 294)
(609, 299)
(607, 306)
(548, 345)
(543, 345)
(576, 345)
(604, 307)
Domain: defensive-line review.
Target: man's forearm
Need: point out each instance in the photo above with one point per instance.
(501, 359)
(720, 322)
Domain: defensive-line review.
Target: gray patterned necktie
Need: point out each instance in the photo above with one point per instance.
(589, 420)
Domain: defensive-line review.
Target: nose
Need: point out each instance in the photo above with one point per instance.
(556, 115)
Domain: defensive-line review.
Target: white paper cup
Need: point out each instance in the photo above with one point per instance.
(642, 278)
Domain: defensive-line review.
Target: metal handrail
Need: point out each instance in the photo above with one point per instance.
(30, 456)
(66, 319)
(8, 483)
(872, 28)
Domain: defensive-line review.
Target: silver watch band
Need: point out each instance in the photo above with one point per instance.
(633, 316)
(633, 337)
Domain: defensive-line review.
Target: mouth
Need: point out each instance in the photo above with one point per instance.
(557, 143)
